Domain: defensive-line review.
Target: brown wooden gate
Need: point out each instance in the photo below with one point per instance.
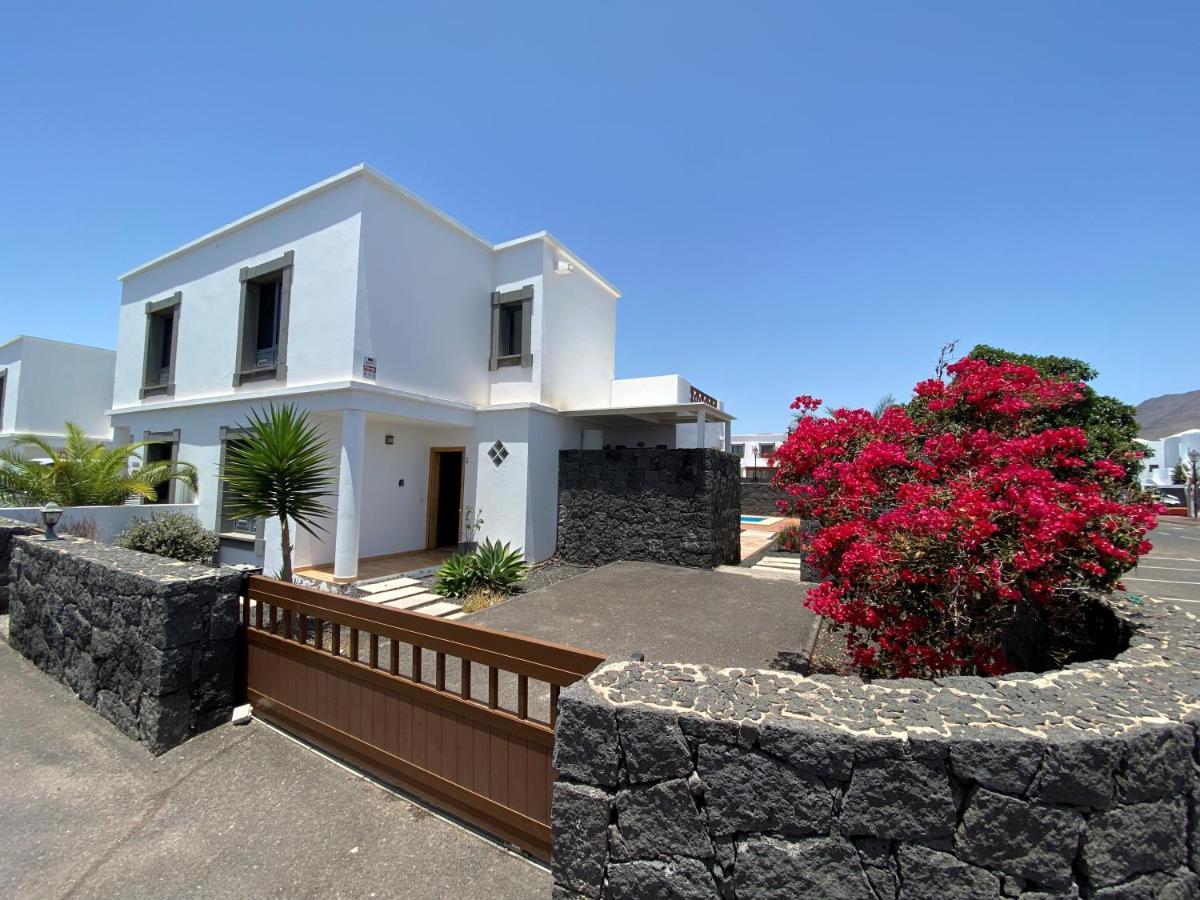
(460, 715)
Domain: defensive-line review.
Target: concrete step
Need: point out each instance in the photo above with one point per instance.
(413, 601)
(397, 594)
(455, 615)
(780, 562)
(442, 609)
(379, 587)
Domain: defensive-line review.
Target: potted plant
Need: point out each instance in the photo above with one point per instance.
(472, 522)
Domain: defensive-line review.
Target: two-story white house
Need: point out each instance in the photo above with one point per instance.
(1164, 454)
(44, 384)
(754, 452)
(446, 371)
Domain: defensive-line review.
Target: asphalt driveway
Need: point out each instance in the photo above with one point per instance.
(670, 614)
(236, 812)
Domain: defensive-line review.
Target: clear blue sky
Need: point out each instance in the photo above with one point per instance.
(793, 198)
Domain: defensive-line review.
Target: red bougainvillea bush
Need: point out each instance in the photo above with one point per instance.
(945, 527)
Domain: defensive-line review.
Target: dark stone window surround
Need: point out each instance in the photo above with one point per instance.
(500, 299)
(166, 437)
(258, 538)
(174, 304)
(242, 373)
(3, 390)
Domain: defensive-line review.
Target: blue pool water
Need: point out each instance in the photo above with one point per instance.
(753, 520)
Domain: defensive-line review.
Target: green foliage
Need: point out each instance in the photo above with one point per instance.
(1179, 474)
(82, 473)
(493, 567)
(280, 468)
(1110, 425)
(173, 535)
(499, 566)
(456, 578)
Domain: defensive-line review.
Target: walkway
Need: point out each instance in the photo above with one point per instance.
(237, 812)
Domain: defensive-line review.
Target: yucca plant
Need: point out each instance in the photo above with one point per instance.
(280, 469)
(83, 472)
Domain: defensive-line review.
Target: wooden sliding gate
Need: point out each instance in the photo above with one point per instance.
(460, 715)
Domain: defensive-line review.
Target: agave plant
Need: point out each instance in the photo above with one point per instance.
(456, 578)
(280, 469)
(498, 566)
(83, 472)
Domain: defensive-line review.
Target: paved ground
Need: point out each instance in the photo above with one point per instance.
(1172, 570)
(237, 812)
(668, 613)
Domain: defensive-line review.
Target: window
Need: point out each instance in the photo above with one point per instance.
(248, 528)
(262, 328)
(738, 450)
(511, 328)
(3, 384)
(765, 450)
(162, 338)
(163, 447)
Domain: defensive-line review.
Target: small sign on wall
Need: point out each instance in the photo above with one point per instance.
(369, 370)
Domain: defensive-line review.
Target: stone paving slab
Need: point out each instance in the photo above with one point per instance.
(411, 590)
(414, 601)
(379, 587)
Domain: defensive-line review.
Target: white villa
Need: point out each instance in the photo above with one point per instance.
(1164, 454)
(753, 449)
(44, 384)
(445, 370)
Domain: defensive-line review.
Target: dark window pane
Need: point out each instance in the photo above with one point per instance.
(267, 326)
(167, 324)
(510, 331)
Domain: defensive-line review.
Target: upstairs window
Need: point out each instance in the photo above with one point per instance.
(3, 384)
(262, 327)
(738, 450)
(765, 450)
(512, 328)
(162, 338)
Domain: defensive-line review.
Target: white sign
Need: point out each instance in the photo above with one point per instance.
(369, 370)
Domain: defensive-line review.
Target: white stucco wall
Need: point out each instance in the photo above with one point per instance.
(579, 337)
(49, 383)
(654, 390)
(322, 231)
(424, 307)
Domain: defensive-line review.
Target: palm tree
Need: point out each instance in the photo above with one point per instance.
(83, 472)
(280, 468)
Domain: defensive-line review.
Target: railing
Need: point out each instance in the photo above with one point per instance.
(459, 713)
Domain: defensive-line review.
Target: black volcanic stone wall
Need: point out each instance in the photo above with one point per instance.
(9, 529)
(687, 781)
(679, 507)
(150, 642)
(761, 498)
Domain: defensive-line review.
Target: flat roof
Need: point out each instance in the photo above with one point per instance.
(365, 170)
(663, 414)
(31, 337)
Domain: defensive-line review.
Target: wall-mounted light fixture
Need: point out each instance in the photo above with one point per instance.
(564, 267)
(389, 439)
(51, 513)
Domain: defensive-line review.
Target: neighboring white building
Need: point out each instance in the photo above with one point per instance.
(1164, 454)
(753, 450)
(446, 371)
(44, 384)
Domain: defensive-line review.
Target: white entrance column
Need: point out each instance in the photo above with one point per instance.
(700, 424)
(350, 494)
(728, 436)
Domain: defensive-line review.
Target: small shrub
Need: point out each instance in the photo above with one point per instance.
(481, 598)
(494, 566)
(793, 539)
(173, 535)
(456, 578)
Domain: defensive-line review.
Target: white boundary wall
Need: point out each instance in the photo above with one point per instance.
(110, 520)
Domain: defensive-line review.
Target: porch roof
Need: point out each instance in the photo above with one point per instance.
(664, 414)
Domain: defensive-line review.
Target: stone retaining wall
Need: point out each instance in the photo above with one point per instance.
(679, 507)
(151, 643)
(690, 782)
(8, 530)
(761, 498)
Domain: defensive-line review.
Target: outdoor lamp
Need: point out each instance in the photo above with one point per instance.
(51, 513)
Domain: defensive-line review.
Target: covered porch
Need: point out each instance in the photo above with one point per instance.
(398, 501)
(673, 425)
